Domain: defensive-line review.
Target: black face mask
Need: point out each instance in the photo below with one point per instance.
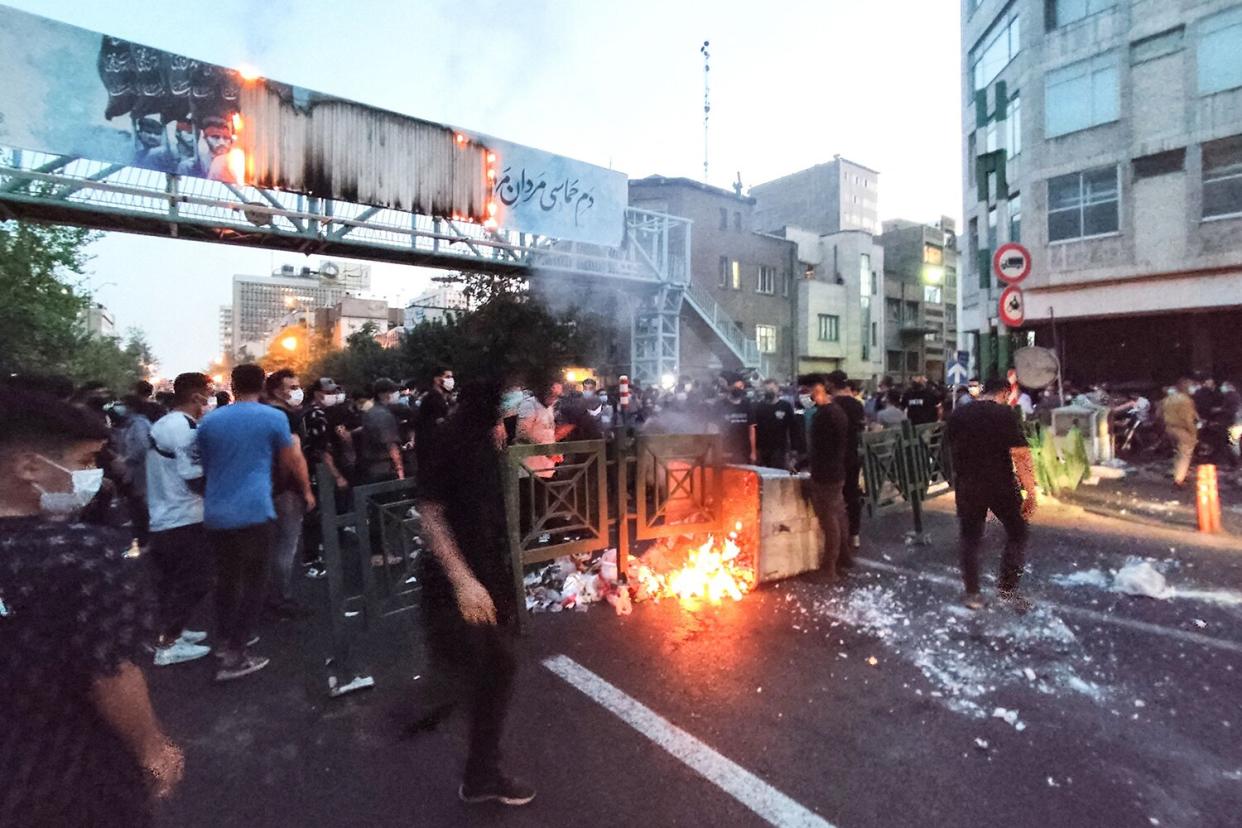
(769, 395)
(737, 393)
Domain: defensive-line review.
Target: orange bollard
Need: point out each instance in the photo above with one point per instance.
(1207, 500)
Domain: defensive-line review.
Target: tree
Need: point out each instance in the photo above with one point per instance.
(41, 310)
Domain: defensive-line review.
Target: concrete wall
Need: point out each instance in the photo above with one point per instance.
(827, 198)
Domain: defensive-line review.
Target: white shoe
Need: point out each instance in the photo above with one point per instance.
(855, 541)
(193, 636)
(179, 652)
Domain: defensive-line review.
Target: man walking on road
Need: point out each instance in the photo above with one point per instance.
(468, 600)
(1181, 424)
(829, 436)
(239, 446)
(988, 447)
(179, 550)
(285, 394)
(433, 411)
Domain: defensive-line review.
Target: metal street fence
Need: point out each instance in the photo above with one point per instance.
(565, 498)
(903, 464)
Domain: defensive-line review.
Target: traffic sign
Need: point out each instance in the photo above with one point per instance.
(1012, 307)
(957, 374)
(1012, 263)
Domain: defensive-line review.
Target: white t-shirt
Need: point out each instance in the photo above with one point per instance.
(172, 460)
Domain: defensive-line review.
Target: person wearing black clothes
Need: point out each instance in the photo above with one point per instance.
(468, 603)
(321, 429)
(433, 411)
(843, 395)
(829, 443)
(776, 428)
(736, 420)
(80, 744)
(921, 403)
(988, 447)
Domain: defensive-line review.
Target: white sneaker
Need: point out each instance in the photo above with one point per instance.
(193, 636)
(179, 652)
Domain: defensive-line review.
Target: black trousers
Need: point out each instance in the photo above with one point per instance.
(974, 500)
(241, 580)
(853, 498)
(773, 458)
(184, 572)
(829, 507)
(473, 669)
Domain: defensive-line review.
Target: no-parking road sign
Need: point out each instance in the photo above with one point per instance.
(1012, 263)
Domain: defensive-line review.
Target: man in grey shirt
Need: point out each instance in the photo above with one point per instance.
(891, 415)
(381, 455)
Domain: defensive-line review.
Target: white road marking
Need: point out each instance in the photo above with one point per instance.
(1090, 615)
(739, 783)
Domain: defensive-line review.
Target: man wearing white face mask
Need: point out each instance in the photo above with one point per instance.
(285, 394)
(433, 412)
(181, 556)
(83, 745)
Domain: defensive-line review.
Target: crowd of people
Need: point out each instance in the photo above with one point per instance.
(202, 492)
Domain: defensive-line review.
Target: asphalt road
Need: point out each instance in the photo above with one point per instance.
(868, 704)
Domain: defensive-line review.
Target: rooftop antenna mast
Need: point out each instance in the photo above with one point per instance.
(707, 100)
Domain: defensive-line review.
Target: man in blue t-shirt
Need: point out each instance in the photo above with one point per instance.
(239, 447)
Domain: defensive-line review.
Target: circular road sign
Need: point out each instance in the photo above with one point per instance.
(1012, 263)
(1012, 307)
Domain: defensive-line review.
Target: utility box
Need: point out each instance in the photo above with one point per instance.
(1094, 425)
(774, 510)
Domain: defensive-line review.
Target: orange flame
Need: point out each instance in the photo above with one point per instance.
(712, 573)
(237, 165)
(237, 122)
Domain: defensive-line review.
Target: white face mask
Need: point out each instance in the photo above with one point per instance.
(806, 400)
(449, 383)
(392, 399)
(296, 396)
(86, 483)
(330, 400)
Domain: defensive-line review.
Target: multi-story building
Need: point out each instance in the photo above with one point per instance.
(98, 320)
(1106, 137)
(349, 316)
(261, 302)
(226, 331)
(434, 305)
(837, 324)
(920, 298)
(827, 198)
(740, 280)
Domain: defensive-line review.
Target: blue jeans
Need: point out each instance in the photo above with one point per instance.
(290, 513)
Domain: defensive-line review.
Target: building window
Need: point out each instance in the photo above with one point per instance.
(893, 361)
(972, 154)
(1015, 217)
(912, 312)
(724, 218)
(998, 46)
(785, 280)
(767, 280)
(1157, 45)
(933, 295)
(933, 254)
(1081, 205)
(875, 333)
(1220, 41)
(829, 328)
(736, 267)
(1222, 177)
(864, 272)
(724, 271)
(765, 336)
(892, 310)
(808, 272)
(992, 240)
(1013, 125)
(737, 222)
(1082, 95)
(1065, 12)
(991, 137)
(912, 362)
(1160, 163)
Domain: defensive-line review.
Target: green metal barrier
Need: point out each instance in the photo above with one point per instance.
(902, 464)
(369, 555)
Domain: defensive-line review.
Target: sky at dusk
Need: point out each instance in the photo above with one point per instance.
(616, 84)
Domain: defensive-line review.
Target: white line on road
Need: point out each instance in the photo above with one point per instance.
(1091, 615)
(733, 779)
